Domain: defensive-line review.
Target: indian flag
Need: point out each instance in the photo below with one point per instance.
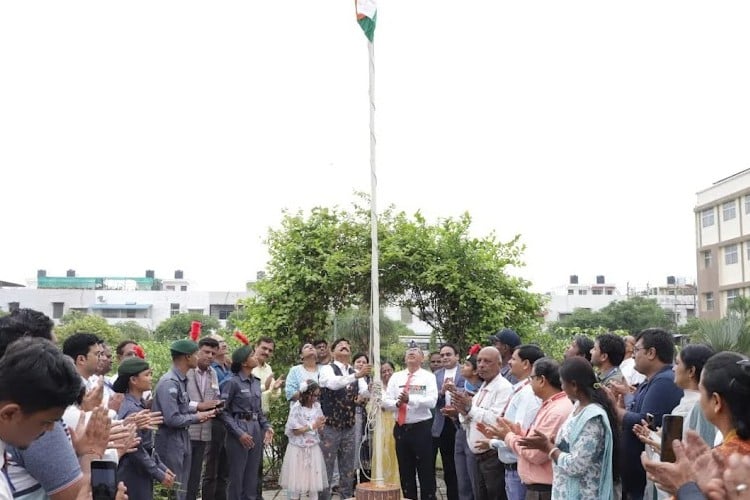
(367, 14)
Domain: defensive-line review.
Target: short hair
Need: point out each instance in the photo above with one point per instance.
(662, 342)
(79, 344)
(265, 340)
(472, 360)
(37, 363)
(613, 346)
(448, 344)
(360, 355)
(24, 323)
(529, 352)
(433, 353)
(120, 349)
(695, 356)
(316, 343)
(208, 341)
(549, 369)
(338, 341)
(584, 345)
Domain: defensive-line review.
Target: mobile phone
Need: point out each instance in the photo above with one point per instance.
(671, 429)
(103, 479)
(220, 404)
(650, 421)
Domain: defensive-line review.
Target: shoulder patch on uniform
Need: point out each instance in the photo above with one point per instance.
(173, 390)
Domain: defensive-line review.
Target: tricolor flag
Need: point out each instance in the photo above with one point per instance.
(367, 14)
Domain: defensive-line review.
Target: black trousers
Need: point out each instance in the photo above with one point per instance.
(216, 478)
(445, 443)
(415, 458)
(196, 468)
(490, 477)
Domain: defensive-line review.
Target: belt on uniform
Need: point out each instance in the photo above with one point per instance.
(513, 466)
(415, 424)
(492, 453)
(539, 487)
(246, 416)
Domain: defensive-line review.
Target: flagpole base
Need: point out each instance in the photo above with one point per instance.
(372, 491)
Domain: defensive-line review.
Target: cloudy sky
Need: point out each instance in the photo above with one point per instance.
(171, 134)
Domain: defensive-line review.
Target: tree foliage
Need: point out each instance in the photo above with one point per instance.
(633, 315)
(131, 330)
(178, 326)
(78, 322)
(320, 266)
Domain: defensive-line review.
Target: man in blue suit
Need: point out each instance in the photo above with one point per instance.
(444, 428)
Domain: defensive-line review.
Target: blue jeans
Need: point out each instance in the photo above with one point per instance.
(514, 487)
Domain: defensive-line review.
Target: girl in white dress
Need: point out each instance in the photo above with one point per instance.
(303, 469)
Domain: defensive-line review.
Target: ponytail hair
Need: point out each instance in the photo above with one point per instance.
(576, 370)
(728, 375)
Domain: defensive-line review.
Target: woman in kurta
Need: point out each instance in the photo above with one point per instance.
(585, 452)
(139, 470)
(388, 452)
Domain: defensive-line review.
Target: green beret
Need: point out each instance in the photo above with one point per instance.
(184, 346)
(241, 354)
(128, 368)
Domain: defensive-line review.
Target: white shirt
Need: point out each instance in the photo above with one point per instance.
(633, 376)
(5, 491)
(486, 406)
(423, 394)
(330, 380)
(523, 407)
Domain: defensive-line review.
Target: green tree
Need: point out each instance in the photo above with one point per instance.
(633, 314)
(725, 334)
(178, 326)
(354, 324)
(580, 318)
(78, 322)
(131, 330)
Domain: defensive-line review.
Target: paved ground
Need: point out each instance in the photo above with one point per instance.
(281, 495)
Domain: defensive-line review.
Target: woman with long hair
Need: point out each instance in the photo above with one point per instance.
(361, 436)
(585, 453)
(725, 400)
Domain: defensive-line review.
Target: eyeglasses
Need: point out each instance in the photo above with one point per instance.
(536, 376)
(639, 348)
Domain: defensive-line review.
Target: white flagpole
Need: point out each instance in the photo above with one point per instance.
(377, 466)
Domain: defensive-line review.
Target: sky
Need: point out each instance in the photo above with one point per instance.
(171, 135)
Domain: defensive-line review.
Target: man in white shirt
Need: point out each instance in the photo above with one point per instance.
(486, 406)
(25, 414)
(444, 427)
(340, 387)
(411, 394)
(521, 409)
(627, 367)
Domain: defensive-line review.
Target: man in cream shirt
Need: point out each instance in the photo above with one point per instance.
(486, 406)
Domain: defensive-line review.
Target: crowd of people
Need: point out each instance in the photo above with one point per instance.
(508, 420)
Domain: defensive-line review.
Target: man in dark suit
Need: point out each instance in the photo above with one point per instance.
(443, 427)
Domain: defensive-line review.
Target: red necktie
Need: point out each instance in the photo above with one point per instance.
(402, 408)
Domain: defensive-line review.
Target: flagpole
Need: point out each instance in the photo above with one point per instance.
(378, 443)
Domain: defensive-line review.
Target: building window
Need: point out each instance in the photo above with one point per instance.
(170, 288)
(13, 306)
(221, 311)
(570, 291)
(731, 295)
(730, 210)
(130, 313)
(597, 291)
(730, 254)
(183, 288)
(707, 217)
(707, 259)
(174, 309)
(582, 292)
(747, 249)
(57, 310)
(747, 204)
(709, 301)
(609, 291)
(195, 311)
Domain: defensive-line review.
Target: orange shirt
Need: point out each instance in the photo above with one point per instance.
(534, 466)
(733, 444)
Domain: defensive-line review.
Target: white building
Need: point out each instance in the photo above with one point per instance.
(147, 301)
(722, 233)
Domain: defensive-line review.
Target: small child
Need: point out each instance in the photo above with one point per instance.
(304, 470)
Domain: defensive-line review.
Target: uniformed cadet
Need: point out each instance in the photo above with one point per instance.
(247, 427)
(171, 399)
(139, 470)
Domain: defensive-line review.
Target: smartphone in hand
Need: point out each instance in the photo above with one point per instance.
(671, 429)
(103, 479)
(650, 421)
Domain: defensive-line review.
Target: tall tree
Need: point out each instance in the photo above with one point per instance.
(178, 326)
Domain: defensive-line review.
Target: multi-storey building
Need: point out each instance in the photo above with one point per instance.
(722, 228)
